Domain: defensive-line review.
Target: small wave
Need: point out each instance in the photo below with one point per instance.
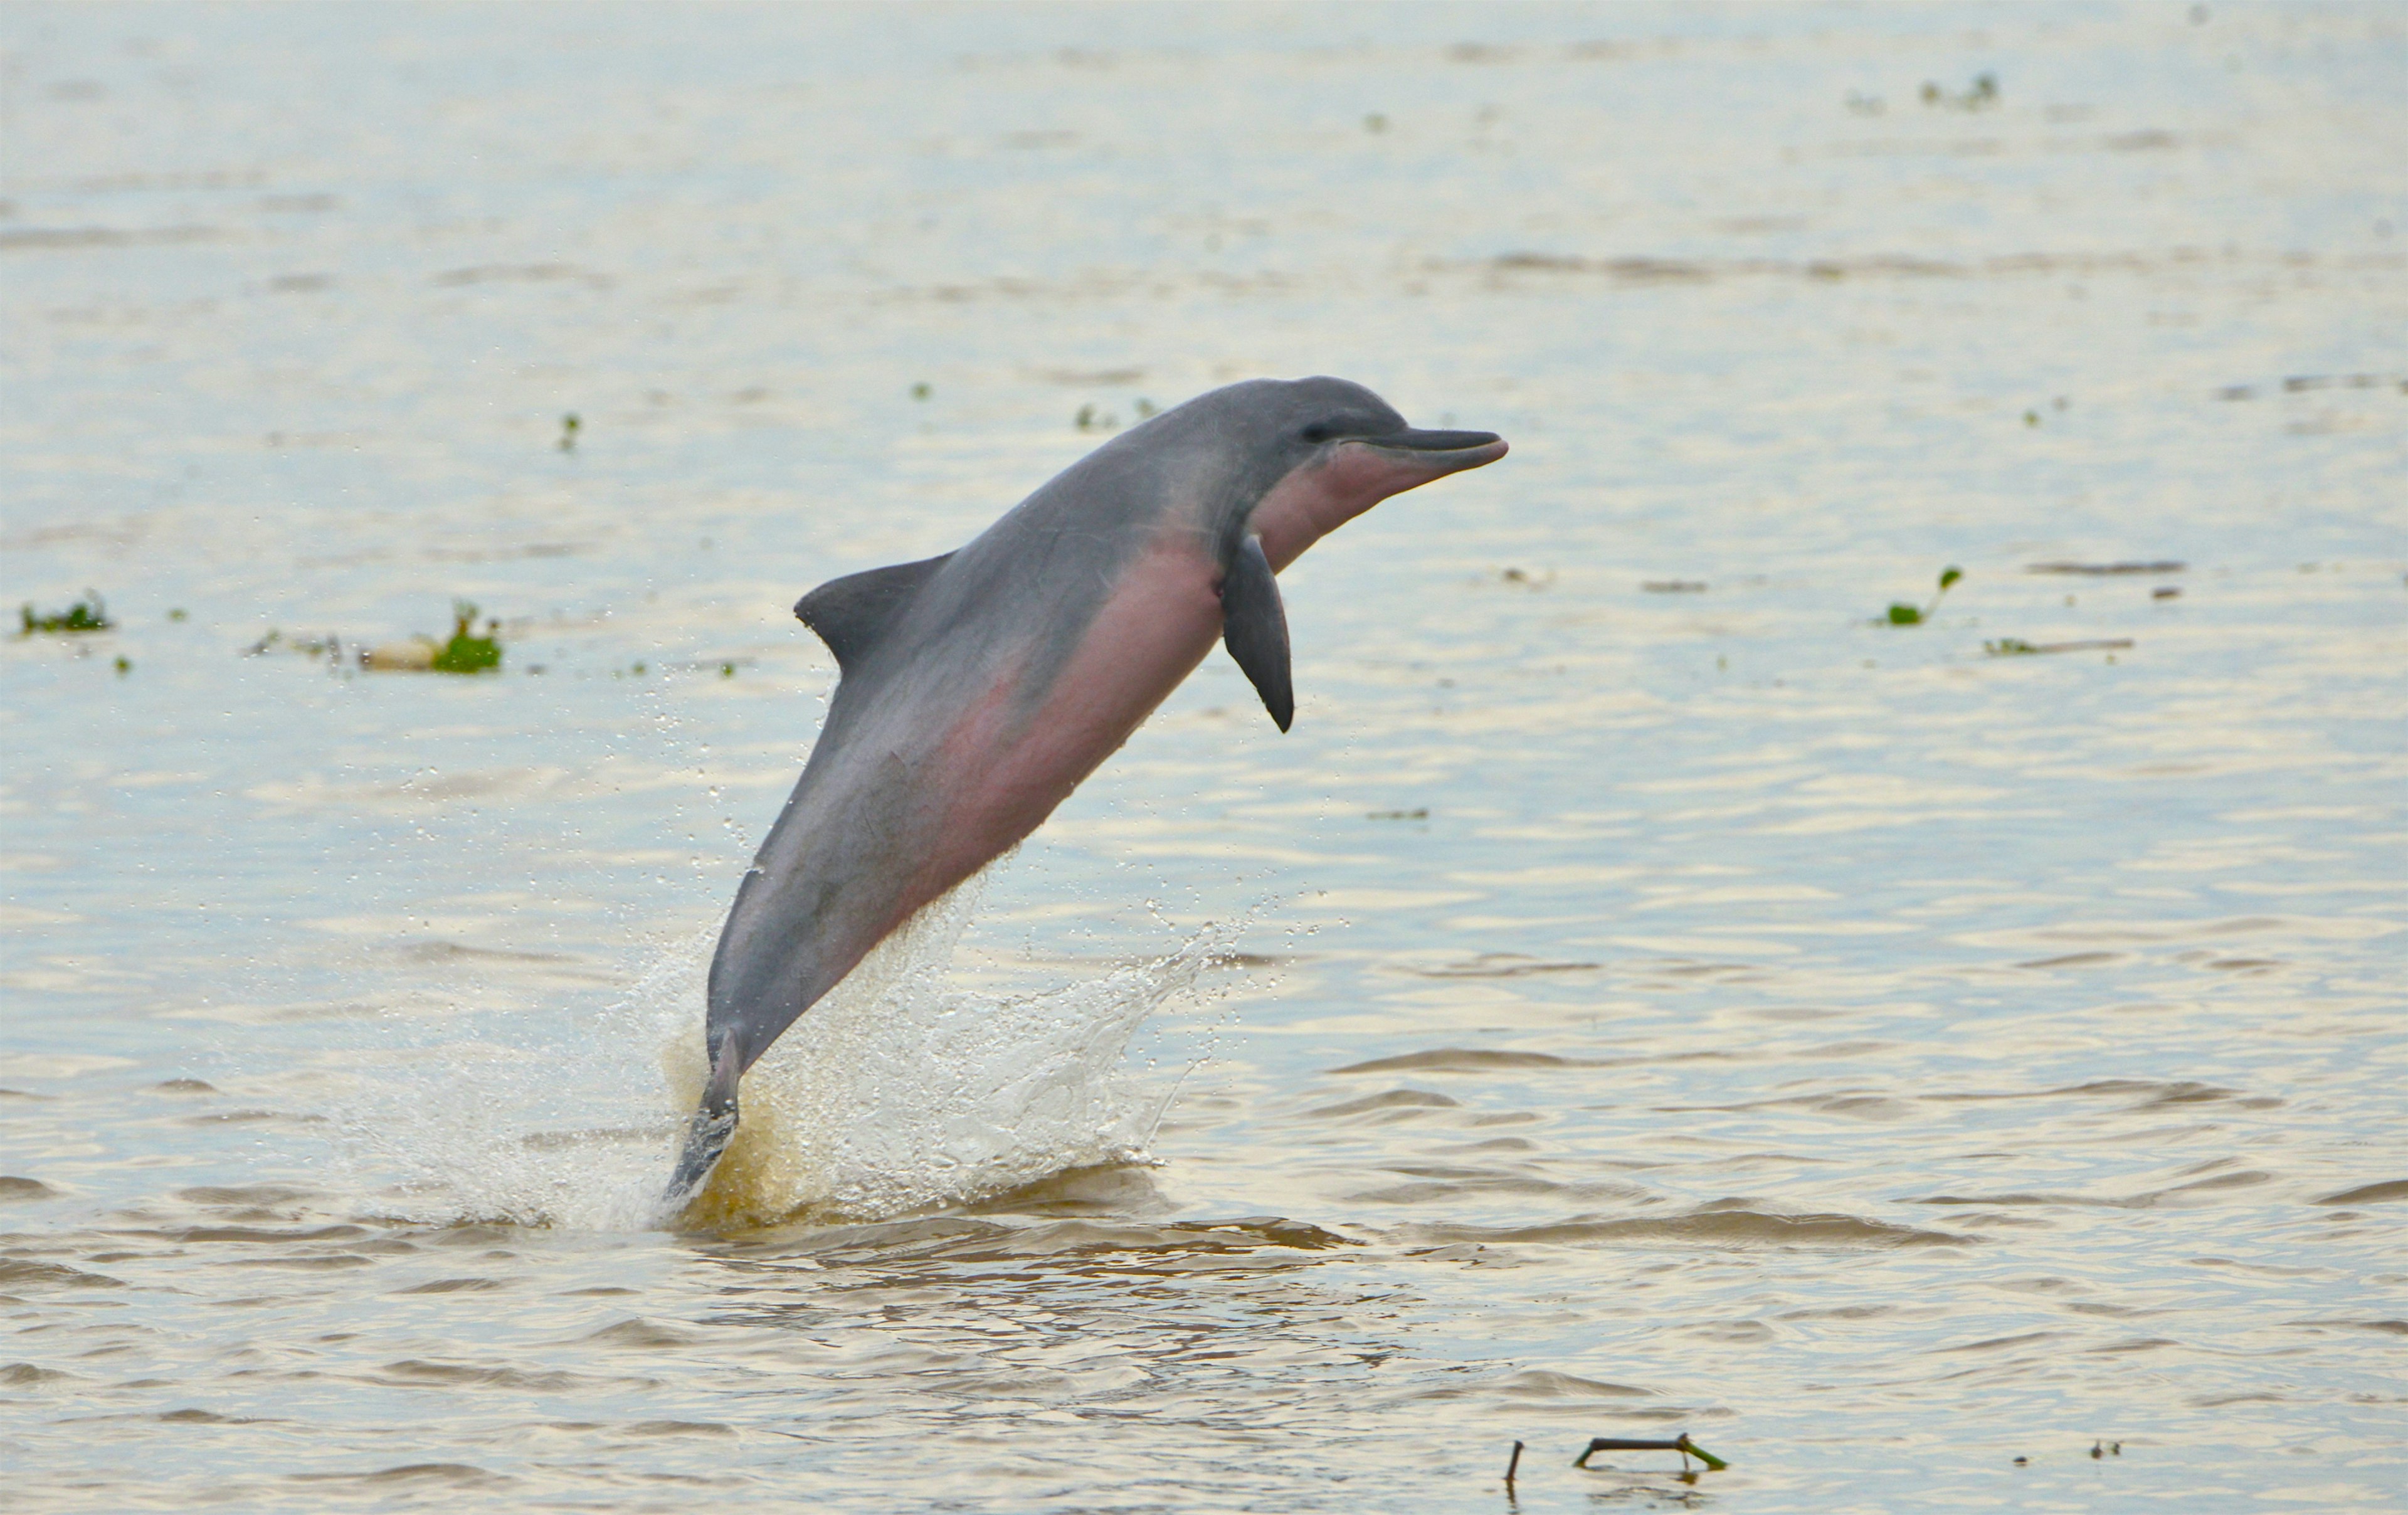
(2369, 1193)
(1102, 1245)
(1711, 1227)
(447, 1475)
(28, 1374)
(1396, 1101)
(421, 1372)
(17, 1273)
(1460, 1060)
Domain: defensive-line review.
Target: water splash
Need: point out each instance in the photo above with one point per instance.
(901, 1091)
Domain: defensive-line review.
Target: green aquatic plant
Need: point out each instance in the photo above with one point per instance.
(569, 426)
(1903, 614)
(922, 391)
(466, 652)
(87, 614)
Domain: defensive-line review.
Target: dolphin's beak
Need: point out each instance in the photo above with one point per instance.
(1437, 453)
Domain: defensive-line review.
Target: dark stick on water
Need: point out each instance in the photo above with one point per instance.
(1510, 1463)
(1681, 1444)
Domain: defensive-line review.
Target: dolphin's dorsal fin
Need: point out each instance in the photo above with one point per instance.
(1254, 624)
(853, 614)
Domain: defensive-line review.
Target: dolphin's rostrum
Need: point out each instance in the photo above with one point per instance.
(977, 689)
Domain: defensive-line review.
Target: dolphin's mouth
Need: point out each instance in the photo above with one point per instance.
(1445, 451)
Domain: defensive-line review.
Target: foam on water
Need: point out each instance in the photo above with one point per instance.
(900, 1091)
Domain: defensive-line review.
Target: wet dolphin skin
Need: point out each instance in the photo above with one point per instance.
(976, 690)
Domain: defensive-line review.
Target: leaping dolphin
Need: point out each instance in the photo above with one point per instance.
(976, 690)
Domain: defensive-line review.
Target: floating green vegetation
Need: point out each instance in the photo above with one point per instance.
(179, 613)
(124, 666)
(1145, 408)
(922, 390)
(1419, 813)
(467, 652)
(86, 614)
(569, 425)
(1903, 614)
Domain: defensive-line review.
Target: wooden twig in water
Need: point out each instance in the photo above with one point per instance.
(1681, 1444)
(1510, 1463)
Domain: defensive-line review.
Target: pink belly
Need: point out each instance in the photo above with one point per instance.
(1001, 773)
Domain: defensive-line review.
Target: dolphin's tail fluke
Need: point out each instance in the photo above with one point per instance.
(707, 1134)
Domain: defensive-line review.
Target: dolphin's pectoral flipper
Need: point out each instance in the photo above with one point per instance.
(853, 614)
(1254, 624)
(707, 1134)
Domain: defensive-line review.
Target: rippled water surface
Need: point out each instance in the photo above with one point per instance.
(1647, 991)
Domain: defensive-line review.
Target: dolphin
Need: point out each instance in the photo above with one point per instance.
(975, 690)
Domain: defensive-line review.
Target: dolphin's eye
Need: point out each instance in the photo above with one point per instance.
(1318, 432)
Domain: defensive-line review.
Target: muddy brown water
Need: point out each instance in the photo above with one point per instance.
(1648, 991)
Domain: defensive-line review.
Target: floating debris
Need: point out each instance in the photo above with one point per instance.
(1419, 813)
(1673, 586)
(1903, 614)
(1982, 96)
(1526, 578)
(1513, 1464)
(2165, 591)
(87, 614)
(568, 426)
(416, 655)
(179, 613)
(123, 666)
(465, 652)
(1681, 1444)
(2301, 383)
(329, 647)
(922, 390)
(2015, 647)
(2098, 570)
